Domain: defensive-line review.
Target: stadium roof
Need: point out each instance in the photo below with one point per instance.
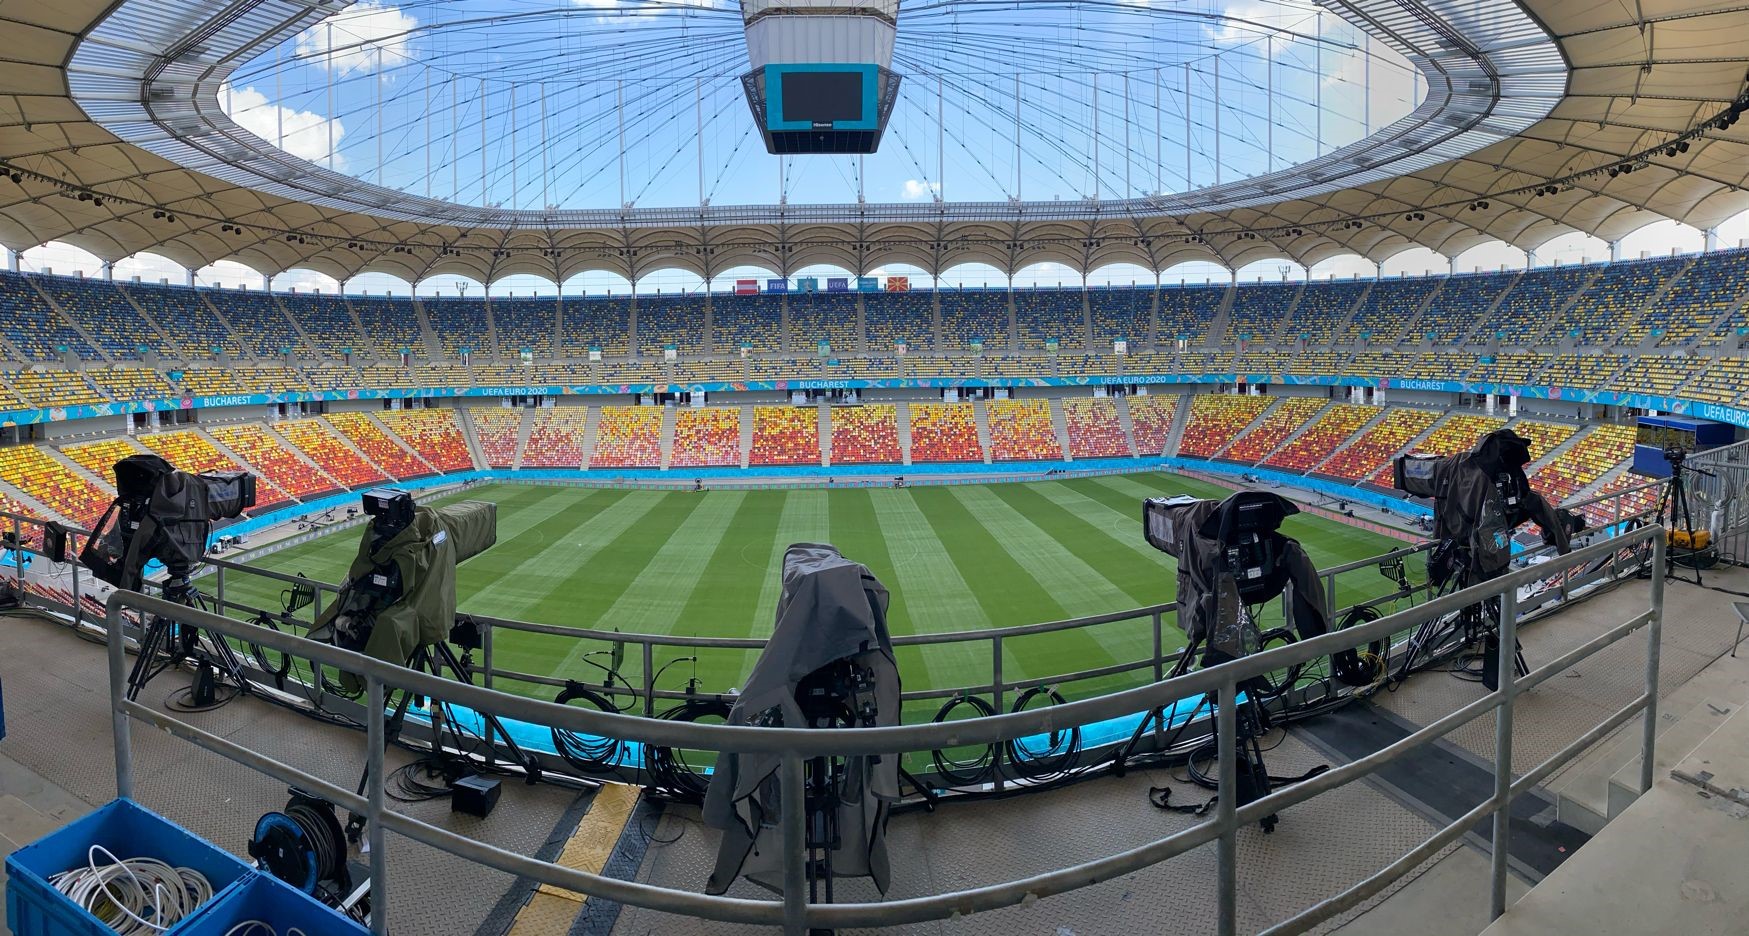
(1555, 116)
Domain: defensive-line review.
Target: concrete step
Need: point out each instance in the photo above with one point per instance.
(1719, 766)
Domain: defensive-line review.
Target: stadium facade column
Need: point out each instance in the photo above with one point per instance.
(1712, 240)
(1614, 251)
(108, 271)
(189, 277)
(11, 260)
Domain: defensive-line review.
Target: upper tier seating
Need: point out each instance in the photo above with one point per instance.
(190, 451)
(626, 437)
(496, 429)
(189, 325)
(317, 440)
(1459, 433)
(1527, 310)
(1186, 312)
(1152, 416)
(377, 445)
(670, 320)
(391, 326)
(1122, 312)
(328, 322)
(1043, 314)
(98, 308)
(1021, 430)
(973, 313)
(433, 433)
(33, 327)
(1457, 308)
(272, 461)
(1258, 311)
(530, 324)
(1363, 457)
(1287, 418)
(1321, 308)
(756, 321)
(785, 435)
(1614, 300)
(1590, 458)
(902, 316)
(1581, 370)
(866, 435)
(813, 316)
(596, 322)
(1385, 314)
(1651, 374)
(1333, 428)
(944, 432)
(461, 324)
(53, 485)
(707, 438)
(1511, 367)
(257, 321)
(1216, 419)
(1714, 285)
(1094, 429)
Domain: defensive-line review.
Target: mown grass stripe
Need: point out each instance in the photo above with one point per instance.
(936, 596)
(856, 533)
(804, 520)
(727, 590)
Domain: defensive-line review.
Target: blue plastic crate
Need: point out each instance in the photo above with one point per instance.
(266, 898)
(129, 830)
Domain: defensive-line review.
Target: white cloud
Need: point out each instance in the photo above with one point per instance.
(915, 189)
(367, 37)
(306, 133)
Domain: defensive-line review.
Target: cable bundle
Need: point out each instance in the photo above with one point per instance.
(136, 897)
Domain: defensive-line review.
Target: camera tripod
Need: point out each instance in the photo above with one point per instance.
(167, 642)
(1479, 622)
(433, 659)
(1674, 505)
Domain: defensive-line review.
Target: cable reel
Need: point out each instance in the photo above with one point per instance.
(303, 846)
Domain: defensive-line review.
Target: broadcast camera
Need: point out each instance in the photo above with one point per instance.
(164, 514)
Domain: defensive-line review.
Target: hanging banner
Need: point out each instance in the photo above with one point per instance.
(595, 354)
(777, 286)
(807, 284)
(670, 353)
(868, 284)
(825, 347)
(1120, 346)
(837, 284)
(746, 287)
(977, 345)
(898, 284)
(1053, 345)
(900, 347)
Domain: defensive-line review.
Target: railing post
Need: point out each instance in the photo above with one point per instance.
(1508, 669)
(78, 599)
(219, 589)
(124, 751)
(649, 679)
(18, 556)
(1654, 649)
(1226, 805)
(996, 701)
(792, 816)
(379, 864)
(486, 655)
(1159, 650)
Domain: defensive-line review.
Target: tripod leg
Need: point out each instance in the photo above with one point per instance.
(157, 633)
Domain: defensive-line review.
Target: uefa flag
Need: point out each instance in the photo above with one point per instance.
(837, 284)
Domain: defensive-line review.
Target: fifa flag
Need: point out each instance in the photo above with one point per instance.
(898, 284)
(777, 286)
(807, 284)
(746, 287)
(868, 284)
(837, 284)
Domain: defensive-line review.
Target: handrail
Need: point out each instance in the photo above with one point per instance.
(794, 745)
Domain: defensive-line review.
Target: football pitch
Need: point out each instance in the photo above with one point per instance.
(955, 558)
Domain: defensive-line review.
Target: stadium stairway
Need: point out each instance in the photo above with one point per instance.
(981, 418)
(404, 444)
(1250, 427)
(103, 482)
(904, 418)
(746, 433)
(522, 434)
(242, 347)
(591, 428)
(670, 416)
(1180, 419)
(1300, 431)
(336, 433)
(1060, 423)
(466, 425)
(1128, 425)
(296, 323)
(428, 335)
(1377, 418)
(825, 433)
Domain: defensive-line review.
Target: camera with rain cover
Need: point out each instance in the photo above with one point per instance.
(164, 514)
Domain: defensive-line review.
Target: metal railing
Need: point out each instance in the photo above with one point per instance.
(795, 745)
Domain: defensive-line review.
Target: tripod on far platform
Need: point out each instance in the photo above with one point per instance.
(166, 642)
(1674, 506)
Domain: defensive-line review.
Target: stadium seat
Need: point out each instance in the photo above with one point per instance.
(1375, 448)
(1217, 419)
(391, 326)
(555, 437)
(318, 441)
(526, 324)
(33, 326)
(894, 317)
(1043, 314)
(670, 320)
(707, 437)
(866, 435)
(1152, 416)
(1594, 455)
(944, 432)
(1186, 312)
(1383, 318)
(1614, 300)
(1122, 312)
(813, 316)
(596, 322)
(974, 313)
(1021, 430)
(189, 451)
(434, 434)
(53, 485)
(1334, 427)
(377, 445)
(1321, 308)
(785, 435)
(258, 322)
(1258, 311)
(1533, 305)
(328, 322)
(1458, 433)
(1459, 305)
(1094, 429)
(189, 325)
(626, 437)
(272, 460)
(124, 384)
(461, 324)
(1291, 415)
(496, 428)
(99, 457)
(101, 310)
(1544, 437)
(52, 386)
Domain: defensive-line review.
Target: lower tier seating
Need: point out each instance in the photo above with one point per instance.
(100, 457)
(1287, 418)
(1152, 416)
(377, 445)
(496, 429)
(1363, 457)
(190, 451)
(944, 432)
(555, 438)
(1457, 434)
(317, 440)
(272, 461)
(1094, 429)
(866, 435)
(1544, 437)
(626, 437)
(1333, 428)
(1590, 458)
(1021, 430)
(785, 435)
(434, 434)
(55, 486)
(1217, 419)
(707, 438)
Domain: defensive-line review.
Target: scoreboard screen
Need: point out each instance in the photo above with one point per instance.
(821, 97)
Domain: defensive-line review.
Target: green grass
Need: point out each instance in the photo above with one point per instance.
(955, 558)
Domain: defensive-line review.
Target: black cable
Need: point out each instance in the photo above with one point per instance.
(669, 769)
(1038, 765)
(978, 769)
(586, 753)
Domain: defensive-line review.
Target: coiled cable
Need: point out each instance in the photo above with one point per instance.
(135, 897)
